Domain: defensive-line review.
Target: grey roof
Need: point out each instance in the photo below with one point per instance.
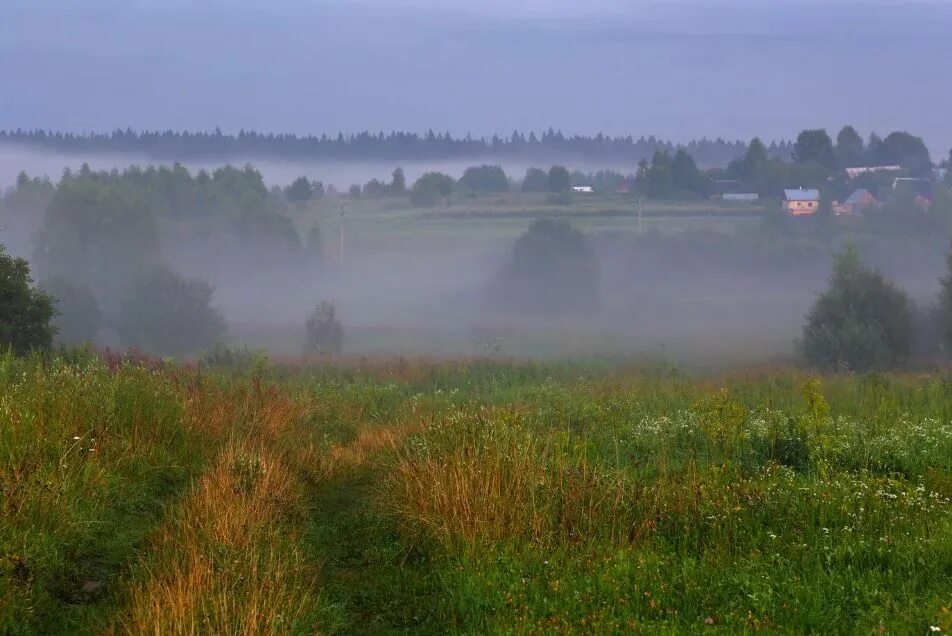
(801, 195)
(859, 196)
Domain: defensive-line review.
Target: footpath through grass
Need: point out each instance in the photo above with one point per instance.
(471, 497)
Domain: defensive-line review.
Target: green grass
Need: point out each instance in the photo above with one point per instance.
(472, 497)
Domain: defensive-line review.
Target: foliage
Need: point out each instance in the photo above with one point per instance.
(323, 332)
(78, 316)
(814, 146)
(25, 311)
(431, 188)
(943, 311)
(301, 190)
(399, 181)
(553, 268)
(559, 179)
(98, 232)
(485, 178)
(861, 322)
(165, 314)
(906, 150)
(849, 147)
(367, 145)
(536, 180)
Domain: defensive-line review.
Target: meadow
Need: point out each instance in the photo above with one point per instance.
(470, 496)
(377, 223)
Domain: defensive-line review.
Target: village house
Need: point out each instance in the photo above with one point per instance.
(860, 199)
(852, 173)
(800, 201)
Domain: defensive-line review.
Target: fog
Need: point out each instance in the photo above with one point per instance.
(413, 283)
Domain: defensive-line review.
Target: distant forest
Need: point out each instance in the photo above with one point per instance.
(383, 146)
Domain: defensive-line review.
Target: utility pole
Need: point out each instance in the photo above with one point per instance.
(641, 206)
(342, 214)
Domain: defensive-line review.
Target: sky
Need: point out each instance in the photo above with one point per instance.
(678, 69)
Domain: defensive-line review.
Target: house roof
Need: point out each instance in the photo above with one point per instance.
(862, 196)
(801, 195)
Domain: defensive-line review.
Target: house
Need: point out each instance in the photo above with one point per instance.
(583, 189)
(852, 173)
(800, 201)
(860, 199)
(913, 185)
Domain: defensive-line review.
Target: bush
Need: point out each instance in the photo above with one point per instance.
(165, 314)
(553, 268)
(79, 318)
(861, 322)
(25, 311)
(322, 330)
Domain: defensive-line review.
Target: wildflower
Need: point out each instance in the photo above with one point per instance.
(935, 628)
(709, 620)
(75, 437)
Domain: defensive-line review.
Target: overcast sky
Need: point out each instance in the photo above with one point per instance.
(677, 69)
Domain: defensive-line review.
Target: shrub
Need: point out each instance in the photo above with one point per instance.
(553, 268)
(861, 322)
(323, 331)
(79, 318)
(163, 313)
(25, 311)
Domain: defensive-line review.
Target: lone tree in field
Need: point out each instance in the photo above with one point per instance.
(25, 311)
(553, 268)
(322, 330)
(300, 190)
(78, 316)
(165, 314)
(862, 322)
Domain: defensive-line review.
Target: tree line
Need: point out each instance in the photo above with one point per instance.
(183, 145)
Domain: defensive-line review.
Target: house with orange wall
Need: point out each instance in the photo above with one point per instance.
(800, 201)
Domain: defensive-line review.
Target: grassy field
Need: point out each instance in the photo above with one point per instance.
(375, 223)
(470, 496)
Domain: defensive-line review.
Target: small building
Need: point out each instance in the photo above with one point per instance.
(923, 203)
(800, 201)
(742, 197)
(583, 189)
(852, 173)
(860, 199)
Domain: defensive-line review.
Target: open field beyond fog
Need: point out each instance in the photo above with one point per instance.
(468, 496)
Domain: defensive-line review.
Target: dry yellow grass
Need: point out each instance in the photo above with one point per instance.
(227, 560)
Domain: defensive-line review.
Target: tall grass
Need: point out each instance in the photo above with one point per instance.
(473, 497)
